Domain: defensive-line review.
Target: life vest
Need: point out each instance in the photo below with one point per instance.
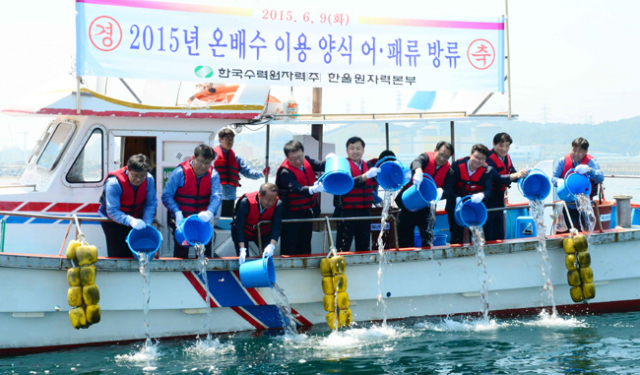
(254, 217)
(357, 198)
(132, 200)
(568, 164)
(194, 196)
(501, 168)
(468, 185)
(297, 202)
(440, 174)
(227, 167)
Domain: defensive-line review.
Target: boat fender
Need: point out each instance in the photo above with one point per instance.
(91, 294)
(573, 277)
(584, 259)
(576, 294)
(74, 296)
(329, 303)
(93, 314)
(83, 254)
(78, 317)
(88, 275)
(568, 245)
(332, 322)
(71, 249)
(342, 301)
(580, 242)
(589, 290)
(327, 286)
(73, 276)
(345, 317)
(338, 265)
(325, 267)
(586, 275)
(570, 262)
(340, 282)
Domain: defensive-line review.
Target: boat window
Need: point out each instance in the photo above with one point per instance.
(55, 145)
(41, 141)
(88, 166)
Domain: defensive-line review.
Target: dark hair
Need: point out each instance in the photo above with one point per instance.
(138, 163)
(205, 151)
(292, 146)
(267, 186)
(502, 137)
(226, 132)
(353, 140)
(386, 153)
(481, 149)
(580, 142)
(446, 144)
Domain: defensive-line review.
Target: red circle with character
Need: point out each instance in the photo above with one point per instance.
(105, 33)
(479, 53)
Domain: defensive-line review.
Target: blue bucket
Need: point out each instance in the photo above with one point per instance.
(535, 186)
(258, 273)
(468, 213)
(145, 240)
(574, 183)
(393, 174)
(337, 178)
(192, 230)
(415, 199)
(440, 239)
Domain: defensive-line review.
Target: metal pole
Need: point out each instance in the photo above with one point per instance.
(386, 133)
(266, 157)
(316, 129)
(78, 94)
(506, 34)
(453, 141)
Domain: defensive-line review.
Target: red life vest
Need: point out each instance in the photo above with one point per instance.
(297, 202)
(568, 164)
(358, 198)
(468, 185)
(254, 217)
(501, 168)
(438, 176)
(132, 200)
(227, 167)
(194, 196)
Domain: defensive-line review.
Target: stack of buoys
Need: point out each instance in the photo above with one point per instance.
(334, 286)
(578, 262)
(83, 294)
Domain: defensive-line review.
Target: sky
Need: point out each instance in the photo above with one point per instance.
(571, 61)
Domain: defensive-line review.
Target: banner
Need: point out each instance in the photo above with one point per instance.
(271, 45)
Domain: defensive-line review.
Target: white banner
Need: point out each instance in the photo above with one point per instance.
(273, 46)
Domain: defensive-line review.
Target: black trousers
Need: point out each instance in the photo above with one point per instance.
(494, 227)
(234, 236)
(407, 223)
(116, 235)
(457, 232)
(180, 251)
(295, 238)
(347, 230)
(227, 208)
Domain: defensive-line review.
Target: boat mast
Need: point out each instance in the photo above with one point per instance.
(508, 57)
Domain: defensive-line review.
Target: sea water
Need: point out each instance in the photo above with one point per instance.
(594, 344)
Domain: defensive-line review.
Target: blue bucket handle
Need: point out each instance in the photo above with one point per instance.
(428, 176)
(521, 181)
(379, 162)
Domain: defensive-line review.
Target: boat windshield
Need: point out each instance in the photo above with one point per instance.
(56, 144)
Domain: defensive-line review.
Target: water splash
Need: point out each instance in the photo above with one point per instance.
(477, 238)
(202, 268)
(143, 259)
(208, 348)
(553, 321)
(388, 195)
(465, 325)
(286, 316)
(537, 210)
(147, 353)
(587, 217)
(431, 224)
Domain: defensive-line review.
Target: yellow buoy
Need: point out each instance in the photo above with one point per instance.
(580, 243)
(576, 294)
(78, 317)
(586, 275)
(568, 245)
(570, 262)
(327, 285)
(88, 275)
(71, 249)
(573, 277)
(332, 322)
(325, 267)
(338, 265)
(83, 253)
(73, 276)
(74, 296)
(344, 317)
(588, 290)
(584, 259)
(93, 314)
(94, 254)
(91, 294)
(342, 300)
(329, 303)
(340, 282)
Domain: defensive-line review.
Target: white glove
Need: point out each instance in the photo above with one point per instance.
(417, 179)
(268, 251)
(371, 173)
(243, 255)
(179, 217)
(582, 168)
(329, 156)
(440, 191)
(316, 188)
(205, 216)
(477, 198)
(458, 199)
(137, 224)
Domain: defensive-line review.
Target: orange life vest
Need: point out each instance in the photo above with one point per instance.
(132, 200)
(438, 176)
(501, 168)
(254, 217)
(358, 198)
(568, 165)
(468, 185)
(297, 202)
(227, 167)
(194, 196)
